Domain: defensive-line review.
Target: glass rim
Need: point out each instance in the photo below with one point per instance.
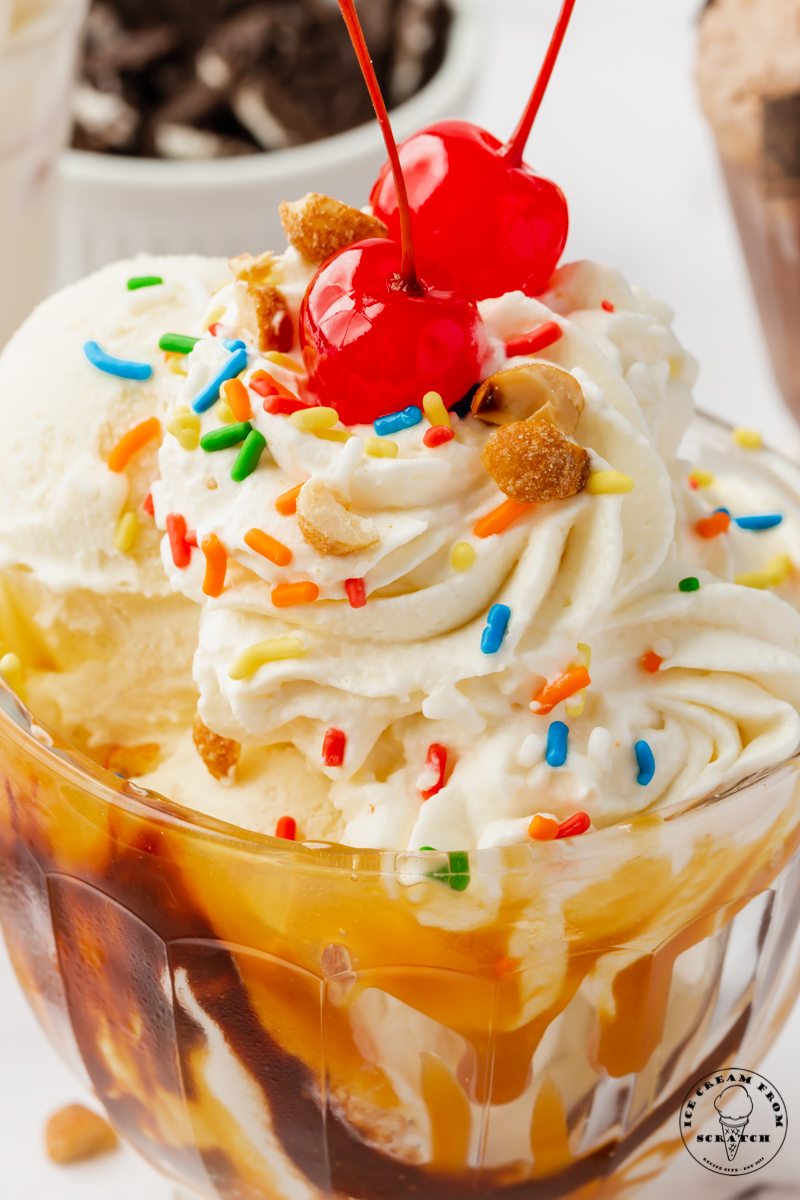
(63, 759)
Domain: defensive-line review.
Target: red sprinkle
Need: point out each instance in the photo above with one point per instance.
(214, 329)
(651, 661)
(178, 544)
(577, 823)
(437, 435)
(191, 538)
(537, 339)
(147, 504)
(607, 306)
(286, 828)
(282, 405)
(437, 758)
(333, 748)
(693, 484)
(264, 385)
(355, 592)
(710, 527)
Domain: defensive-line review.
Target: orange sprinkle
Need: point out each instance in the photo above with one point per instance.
(651, 661)
(500, 518)
(238, 399)
(131, 442)
(216, 565)
(566, 685)
(268, 547)
(286, 595)
(709, 527)
(287, 503)
(504, 965)
(543, 829)
(263, 383)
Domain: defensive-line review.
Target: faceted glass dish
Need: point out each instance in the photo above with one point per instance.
(268, 1019)
(265, 1019)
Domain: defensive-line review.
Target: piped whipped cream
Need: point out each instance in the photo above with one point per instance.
(407, 669)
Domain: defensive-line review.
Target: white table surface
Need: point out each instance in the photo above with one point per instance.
(622, 133)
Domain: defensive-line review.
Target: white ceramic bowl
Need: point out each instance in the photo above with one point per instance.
(112, 207)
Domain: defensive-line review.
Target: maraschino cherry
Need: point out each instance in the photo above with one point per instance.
(496, 225)
(377, 329)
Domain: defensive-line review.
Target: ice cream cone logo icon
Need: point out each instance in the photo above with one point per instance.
(735, 1108)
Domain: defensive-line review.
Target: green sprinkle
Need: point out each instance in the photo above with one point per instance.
(456, 873)
(140, 281)
(176, 343)
(227, 436)
(247, 458)
(689, 584)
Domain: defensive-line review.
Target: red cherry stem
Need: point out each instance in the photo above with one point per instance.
(408, 268)
(515, 147)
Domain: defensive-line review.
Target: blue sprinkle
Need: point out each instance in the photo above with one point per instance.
(557, 736)
(727, 511)
(229, 370)
(407, 418)
(125, 368)
(234, 344)
(496, 626)
(646, 763)
(763, 521)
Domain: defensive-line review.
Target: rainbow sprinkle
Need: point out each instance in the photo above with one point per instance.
(689, 584)
(177, 343)
(224, 438)
(394, 422)
(759, 522)
(646, 763)
(249, 661)
(247, 459)
(495, 629)
(123, 368)
(209, 395)
(557, 737)
(143, 281)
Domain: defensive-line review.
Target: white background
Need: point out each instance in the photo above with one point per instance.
(622, 133)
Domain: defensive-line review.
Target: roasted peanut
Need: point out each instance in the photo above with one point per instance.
(75, 1133)
(533, 391)
(326, 524)
(220, 754)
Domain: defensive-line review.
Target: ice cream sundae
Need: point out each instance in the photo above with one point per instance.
(438, 755)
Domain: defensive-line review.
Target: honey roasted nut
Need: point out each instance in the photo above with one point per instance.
(251, 268)
(219, 754)
(325, 523)
(318, 226)
(76, 1133)
(532, 462)
(274, 324)
(533, 391)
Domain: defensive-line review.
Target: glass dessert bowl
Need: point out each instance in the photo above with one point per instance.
(265, 1018)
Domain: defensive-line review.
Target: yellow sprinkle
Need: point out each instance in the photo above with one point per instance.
(283, 360)
(748, 439)
(127, 529)
(248, 662)
(778, 569)
(333, 435)
(703, 479)
(603, 483)
(10, 664)
(585, 653)
(753, 579)
(312, 419)
(380, 447)
(224, 413)
(576, 704)
(185, 426)
(434, 408)
(214, 315)
(175, 364)
(463, 556)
